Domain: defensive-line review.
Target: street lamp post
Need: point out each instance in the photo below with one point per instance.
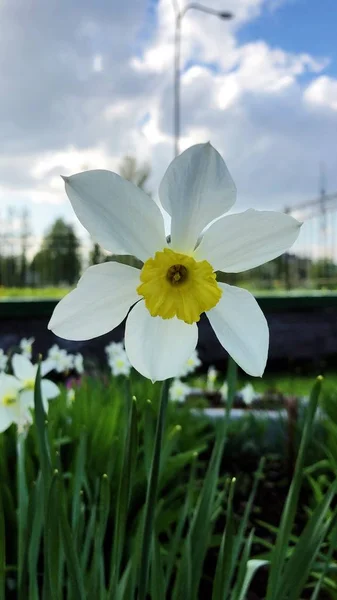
(177, 57)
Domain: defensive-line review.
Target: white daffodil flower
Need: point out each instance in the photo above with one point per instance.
(25, 372)
(191, 365)
(120, 364)
(223, 391)
(248, 394)
(78, 363)
(71, 395)
(59, 360)
(3, 360)
(114, 349)
(178, 391)
(26, 346)
(11, 406)
(211, 378)
(177, 282)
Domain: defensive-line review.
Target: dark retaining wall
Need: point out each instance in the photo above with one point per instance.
(303, 332)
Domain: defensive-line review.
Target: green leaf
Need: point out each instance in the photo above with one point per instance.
(52, 536)
(224, 567)
(279, 553)
(124, 494)
(2, 552)
(72, 562)
(22, 504)
(151, 496)
(36, 516)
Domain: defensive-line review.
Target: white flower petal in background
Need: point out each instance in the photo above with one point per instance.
(120, 364)
(3, 360)
(248, 394)
(100, 302)
(25, 372)
(9, 400)
(246, 240)
(114, 349)
(59, 360)
(54, 352)
(241, 328)
(223, 391)
(71, 395)
(191, 365)
(78, 364)
(211, 378)
(156, 347)
(26, 346)
(196, 189)
(49, 389)
(23, 369)
(116, 213)
(178, 391)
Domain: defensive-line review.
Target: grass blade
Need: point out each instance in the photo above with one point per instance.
(72, 562)
(2, 551)
(281, 546)
(151, 495)
(124, 495)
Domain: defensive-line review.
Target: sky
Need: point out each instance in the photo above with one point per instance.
(84, 83)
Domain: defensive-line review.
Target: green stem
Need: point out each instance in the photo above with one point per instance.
(22, 502)
(151, 495)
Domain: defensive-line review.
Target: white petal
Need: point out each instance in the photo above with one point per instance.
(118, 215)
(49, 389)
(156, 347)
(9, 384)
(241, 328)
(47, 365)
(7, 417)
(100, 302)
(196, 189)
(246, 240)
(23, 368)
(27, 399)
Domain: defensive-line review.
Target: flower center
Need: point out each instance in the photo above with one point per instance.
(9, 399)
(177, 274)
(29, 384)
(176, 285)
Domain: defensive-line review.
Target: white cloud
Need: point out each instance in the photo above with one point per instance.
(322, 92)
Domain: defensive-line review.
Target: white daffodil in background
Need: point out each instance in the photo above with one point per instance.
(114, 349)
(211, 378)
(120, 364)
(191, 365)
(71, 395)
(223, 391)
(12, 408)
(25, 372)
(26, 345)
(3, 360)
(178, 391)
(78, 363)
(59, 360)
(177, 282)
(248, 394)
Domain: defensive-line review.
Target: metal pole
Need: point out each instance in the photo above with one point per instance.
(177, 57)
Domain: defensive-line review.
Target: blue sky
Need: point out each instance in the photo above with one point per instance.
(298, 26)
(85, 84)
